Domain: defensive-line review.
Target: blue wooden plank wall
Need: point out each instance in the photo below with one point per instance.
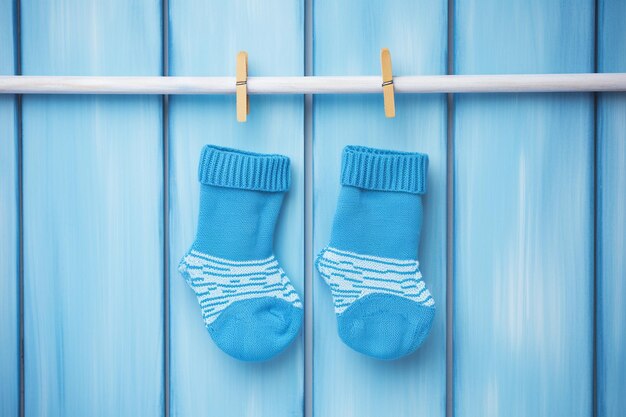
(9, 261)
(93, 241)
(523, 215)
(348, 36)
(205, 37)
(611, 215)
(538, 230)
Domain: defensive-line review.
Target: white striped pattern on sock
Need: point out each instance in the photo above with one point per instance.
(352, 276)
(220, 282)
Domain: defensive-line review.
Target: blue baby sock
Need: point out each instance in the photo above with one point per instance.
(383, 307)
(249, 306)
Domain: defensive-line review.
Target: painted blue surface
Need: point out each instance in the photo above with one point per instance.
(203, 41)
(523, 215)
(347, 38)
(93, 242)
(611, 218)
(9, 297)
(523, 208)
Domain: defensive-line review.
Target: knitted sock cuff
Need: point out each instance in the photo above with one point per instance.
(383, 170)
(233, 168)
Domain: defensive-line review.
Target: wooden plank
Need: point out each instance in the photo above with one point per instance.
(205, 37)
(9, 240)
(523, 327)
(92, 214)
(611, 216)
(348, 36)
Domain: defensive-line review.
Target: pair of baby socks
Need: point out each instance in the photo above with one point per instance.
(248, 304)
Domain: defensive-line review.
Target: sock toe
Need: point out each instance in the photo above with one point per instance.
(256, 329)
(385, 326)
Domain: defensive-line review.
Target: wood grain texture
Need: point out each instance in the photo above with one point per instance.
(92, 215)
(348, 36)
(611, 216)
(205, 37)
(523, 327)
(9, 240)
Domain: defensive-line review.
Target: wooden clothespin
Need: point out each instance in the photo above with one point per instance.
(243, 105)
(385, 61)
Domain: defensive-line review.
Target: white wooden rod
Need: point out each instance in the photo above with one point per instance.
(510, 83)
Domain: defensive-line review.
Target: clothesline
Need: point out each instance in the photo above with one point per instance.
(509, 83)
